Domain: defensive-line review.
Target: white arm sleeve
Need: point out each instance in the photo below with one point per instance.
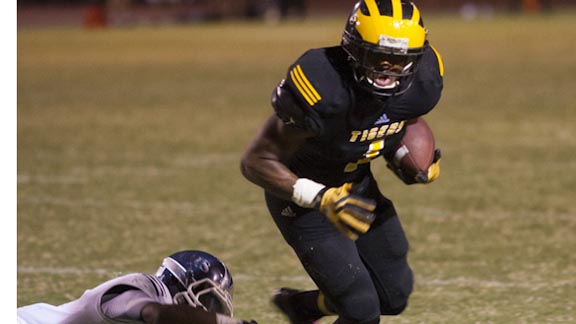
(127, 305)
(222, 319)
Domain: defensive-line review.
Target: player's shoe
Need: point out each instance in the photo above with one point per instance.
(283, 299)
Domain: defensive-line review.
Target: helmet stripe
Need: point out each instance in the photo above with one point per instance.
(416, 16)
(363, 8)
(385, 8)
(397, 10)
(372, 7)
(176, 269)
(407, 11)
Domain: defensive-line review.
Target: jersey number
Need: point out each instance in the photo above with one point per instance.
(373, 152)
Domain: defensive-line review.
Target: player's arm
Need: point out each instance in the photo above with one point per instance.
(283, 133)
(263, 163)
(155, 313)
(135, 305)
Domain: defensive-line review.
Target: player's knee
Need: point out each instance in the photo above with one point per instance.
(342, 320)
(360, 309)
(395, 311)
(396, 304)
(353, 300)
(397, 296)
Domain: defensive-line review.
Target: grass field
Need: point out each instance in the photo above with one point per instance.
(129, 143)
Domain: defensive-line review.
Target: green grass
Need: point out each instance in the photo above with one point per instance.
(129, 143)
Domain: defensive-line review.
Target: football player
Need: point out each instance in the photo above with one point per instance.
(338, 109)
(190, 287)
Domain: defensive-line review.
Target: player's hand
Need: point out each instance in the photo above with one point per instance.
(433, 170)
(430, 175)
(344, 206)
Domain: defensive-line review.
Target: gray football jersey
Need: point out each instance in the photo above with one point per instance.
(88, 309)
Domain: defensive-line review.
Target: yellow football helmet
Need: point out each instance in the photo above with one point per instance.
(385, 40)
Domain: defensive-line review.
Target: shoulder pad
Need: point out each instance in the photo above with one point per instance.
(425, 91)
(314, 90)
(316, 81)
(440, 61)
(431, 66)
(294, 113)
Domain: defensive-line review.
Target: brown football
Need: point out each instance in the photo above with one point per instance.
(415, 153)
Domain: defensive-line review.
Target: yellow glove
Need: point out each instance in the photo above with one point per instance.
(350, 213)
(433, 170)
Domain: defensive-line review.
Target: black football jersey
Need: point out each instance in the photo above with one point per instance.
(351, 125)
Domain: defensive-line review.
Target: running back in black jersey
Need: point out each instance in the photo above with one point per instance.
(351, 126)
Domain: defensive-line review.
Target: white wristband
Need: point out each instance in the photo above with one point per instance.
(305, 191)
(223, 319)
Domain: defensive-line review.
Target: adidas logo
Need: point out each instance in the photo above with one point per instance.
(288, 212)
(382, 120)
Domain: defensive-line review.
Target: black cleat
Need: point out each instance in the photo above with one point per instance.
(284, 302)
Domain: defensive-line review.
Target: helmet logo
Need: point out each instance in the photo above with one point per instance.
(205, 266)
(399, 45)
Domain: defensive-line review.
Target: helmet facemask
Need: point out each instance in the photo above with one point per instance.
(207, 295)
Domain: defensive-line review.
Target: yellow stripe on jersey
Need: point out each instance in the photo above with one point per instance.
(314, 92)
(303, 91)
(440, 63)
(304, 86)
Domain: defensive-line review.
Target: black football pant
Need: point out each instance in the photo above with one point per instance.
(360, 279)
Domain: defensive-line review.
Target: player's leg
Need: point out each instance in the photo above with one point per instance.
(384, 251)
(333, 263)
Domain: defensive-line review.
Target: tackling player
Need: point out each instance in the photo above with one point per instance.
(338, 109)
(190, 287)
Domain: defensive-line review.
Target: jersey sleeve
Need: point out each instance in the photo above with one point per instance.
(124, 297)
(126, 305)
(311, 92)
